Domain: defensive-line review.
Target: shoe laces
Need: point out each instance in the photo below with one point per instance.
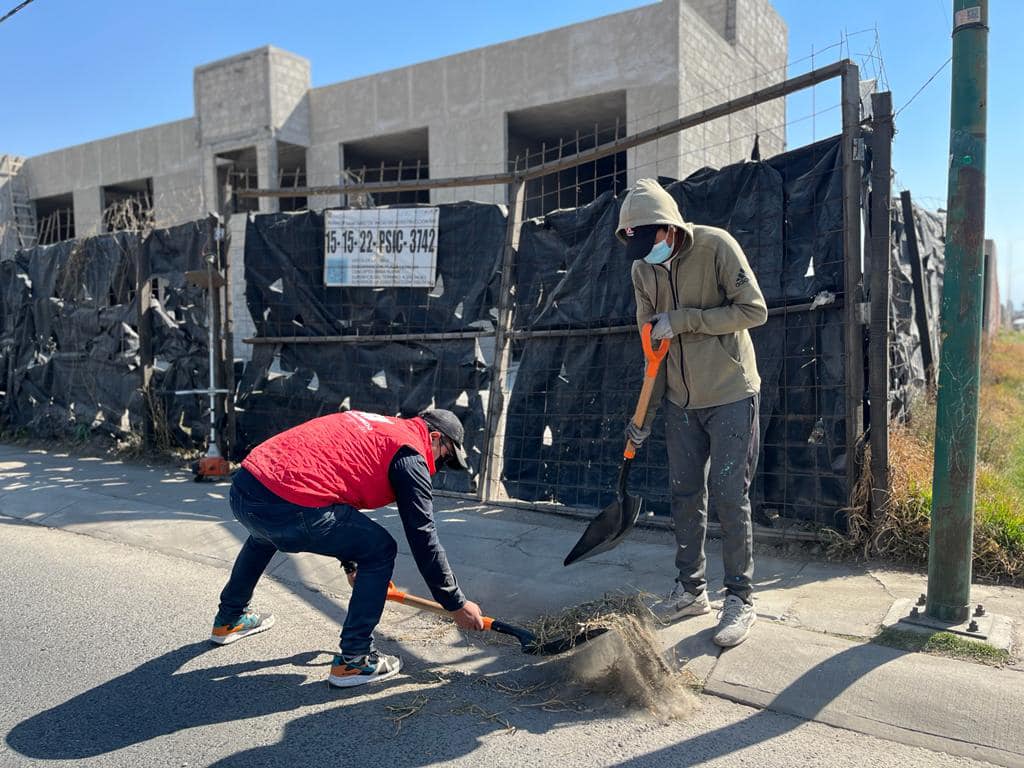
(366, 659)
(731, 609)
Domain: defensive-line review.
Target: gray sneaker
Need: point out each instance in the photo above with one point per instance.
(680, 603)
(737, 618)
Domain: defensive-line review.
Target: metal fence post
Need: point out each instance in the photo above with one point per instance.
(853, 289)
(881, 275)
(494, 433)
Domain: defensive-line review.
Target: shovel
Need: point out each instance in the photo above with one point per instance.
(526, 638)
(618, 518)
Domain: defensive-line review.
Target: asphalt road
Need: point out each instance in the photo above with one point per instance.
(104, 662)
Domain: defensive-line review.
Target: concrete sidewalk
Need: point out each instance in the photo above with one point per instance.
(806, 656)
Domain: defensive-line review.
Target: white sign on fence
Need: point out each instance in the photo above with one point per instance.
(381, 247)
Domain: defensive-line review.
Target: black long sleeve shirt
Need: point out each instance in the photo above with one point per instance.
(414, 495)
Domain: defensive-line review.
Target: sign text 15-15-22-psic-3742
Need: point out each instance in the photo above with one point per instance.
(381, 247)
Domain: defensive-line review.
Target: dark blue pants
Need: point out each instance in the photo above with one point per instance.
(338, 531)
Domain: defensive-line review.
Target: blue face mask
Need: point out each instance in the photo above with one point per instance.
(660, 253)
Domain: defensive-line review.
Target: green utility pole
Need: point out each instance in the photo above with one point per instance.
(956, 428)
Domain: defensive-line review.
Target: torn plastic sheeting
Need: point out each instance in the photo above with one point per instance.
(42, 264)
(69, 335)
(288, 249)
(907, 378)
(562, 257)
(572, 271)
(173, 251)
(179, 321)
(418, 375)
(64, 379)
(746, 200)
(69, 319)
(812, 183)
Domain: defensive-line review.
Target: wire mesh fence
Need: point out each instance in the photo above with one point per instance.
(517, 311)
(98, 336)
(529, 332)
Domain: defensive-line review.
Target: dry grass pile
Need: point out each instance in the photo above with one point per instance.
(900, 530)
(626, 663)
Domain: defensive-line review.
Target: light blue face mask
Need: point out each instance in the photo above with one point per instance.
(660, 253)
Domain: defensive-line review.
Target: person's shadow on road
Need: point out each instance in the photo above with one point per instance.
(155, 699)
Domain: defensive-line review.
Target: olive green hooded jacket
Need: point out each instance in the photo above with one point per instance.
(711, 296)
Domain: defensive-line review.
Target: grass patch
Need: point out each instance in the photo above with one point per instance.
(900, 530)
(942, 644)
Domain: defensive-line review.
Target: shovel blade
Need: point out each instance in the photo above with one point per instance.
(607, 529)
(563, 644)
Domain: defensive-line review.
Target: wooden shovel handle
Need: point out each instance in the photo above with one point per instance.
(654, 358)
(395, 595)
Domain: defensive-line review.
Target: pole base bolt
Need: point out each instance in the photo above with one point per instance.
(922, 599)
(914, 611)
(980, 610)
(973, 626)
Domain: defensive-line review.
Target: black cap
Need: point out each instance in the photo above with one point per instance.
(640, 240)
(448, 424)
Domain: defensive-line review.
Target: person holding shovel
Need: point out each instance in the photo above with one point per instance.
(302, 491)
(694, 284)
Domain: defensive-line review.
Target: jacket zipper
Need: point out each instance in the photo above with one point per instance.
(675, 305)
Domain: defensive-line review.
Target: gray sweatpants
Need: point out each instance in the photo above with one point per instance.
(713, 452)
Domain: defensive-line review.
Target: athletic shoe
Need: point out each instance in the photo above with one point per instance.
(248, 623)
(679, 604)
(737, 618)
(348, 671)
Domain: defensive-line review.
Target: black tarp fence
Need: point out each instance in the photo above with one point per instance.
(70, 343)
(320, 349)
(179, 320)
(402, 373)
(907, 375)
(572, 394)
(69, 340)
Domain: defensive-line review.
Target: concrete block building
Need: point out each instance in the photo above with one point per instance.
(259, 123)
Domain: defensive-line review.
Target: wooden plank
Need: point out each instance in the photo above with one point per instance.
(376, 338)
(854, 334)
(494, 431)
(881, 294)
(922, 307)
(144, 295)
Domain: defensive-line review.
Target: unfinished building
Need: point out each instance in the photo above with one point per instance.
(258, 123)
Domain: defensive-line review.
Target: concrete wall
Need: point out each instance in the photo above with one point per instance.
(166, 153)
(463, 99)
(290, 81)
(232, 98)
(242, 323)
(716, 70)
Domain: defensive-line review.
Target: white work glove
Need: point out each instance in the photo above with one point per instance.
(662, 327)
(636, 435)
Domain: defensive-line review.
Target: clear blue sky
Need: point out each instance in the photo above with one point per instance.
(73, 71)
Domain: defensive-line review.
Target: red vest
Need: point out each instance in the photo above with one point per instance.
(340, 458)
